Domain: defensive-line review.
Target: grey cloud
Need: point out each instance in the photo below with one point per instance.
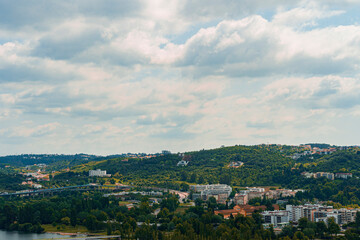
(327, 87)
(233, 9)
(40, 13)
(113, 57)
(106, 114)
(58, 47)
(346, 101)
(174, 133)
(260, 125)
(21, 74)
(328, 95)
(33, 71)
(317, 66)
(179, 119)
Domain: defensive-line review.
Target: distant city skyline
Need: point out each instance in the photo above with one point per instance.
(110, 77)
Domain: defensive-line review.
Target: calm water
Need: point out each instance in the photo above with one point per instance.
(4, 235)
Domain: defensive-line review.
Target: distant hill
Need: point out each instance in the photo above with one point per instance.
(30, 159)
(261, 164)
(319, 145)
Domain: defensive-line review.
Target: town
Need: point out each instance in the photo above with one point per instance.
(263, 182)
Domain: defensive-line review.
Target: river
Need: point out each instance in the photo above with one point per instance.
(26, 236)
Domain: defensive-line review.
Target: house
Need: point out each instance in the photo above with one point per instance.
(241, 198)
(236, 164)
(343, 175)
(182, 163)
(250, 209)
(327, 175)
(228, 212)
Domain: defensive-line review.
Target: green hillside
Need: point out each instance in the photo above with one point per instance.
(341, 161)
(206, 166)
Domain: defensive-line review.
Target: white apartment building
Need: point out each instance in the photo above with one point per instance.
(295, 212)
(276, 218)
(98, 173)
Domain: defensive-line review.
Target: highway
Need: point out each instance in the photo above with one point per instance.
(49, 190)
(84, 238)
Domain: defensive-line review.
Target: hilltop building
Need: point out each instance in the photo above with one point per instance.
(343, 175)
(98, 173)
(182, 163)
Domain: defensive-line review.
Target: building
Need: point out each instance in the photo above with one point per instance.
(182, 163)
(250, 209)
(255, 189)
(236, 164)
(295, 212)
(252, 195)
(37, 186)
(276, 218)
(327, 175)
(343, 175)
(346, 215)
(279, 193)
(98, 173)
(220, 192)
(241, 198)
(228, 212)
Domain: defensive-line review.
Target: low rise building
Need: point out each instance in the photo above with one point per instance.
(241, 198)
(182, 163)
(228, 212)
(276, 218)
(327, 175)
(236, 164)
(98, 173)
(252, 195)
(343, 175)
(219, 191)
(318, 213)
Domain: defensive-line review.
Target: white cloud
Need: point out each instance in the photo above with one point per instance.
(133, 76)
(30, 131)
(304, 16)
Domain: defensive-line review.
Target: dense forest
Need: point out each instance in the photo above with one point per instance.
(104, 215)
(210, 166)
(11, 181)
(49, 159)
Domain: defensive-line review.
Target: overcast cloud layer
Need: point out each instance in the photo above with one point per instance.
(108, 77)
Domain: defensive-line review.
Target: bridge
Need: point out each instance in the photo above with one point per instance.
(84, 238)
(85, 187)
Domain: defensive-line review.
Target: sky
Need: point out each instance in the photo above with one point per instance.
(108, 77)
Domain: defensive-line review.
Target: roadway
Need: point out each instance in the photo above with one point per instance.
(49, 190)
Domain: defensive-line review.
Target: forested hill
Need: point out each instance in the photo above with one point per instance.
(206, 166)
(341, 161)
(30, 159)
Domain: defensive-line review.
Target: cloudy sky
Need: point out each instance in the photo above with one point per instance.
(116, 76)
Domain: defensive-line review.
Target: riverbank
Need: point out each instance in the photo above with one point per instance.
(67, 234)
(65, 230)
(15, 235)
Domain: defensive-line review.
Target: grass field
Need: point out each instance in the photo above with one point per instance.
(64, 228)
(181, 209)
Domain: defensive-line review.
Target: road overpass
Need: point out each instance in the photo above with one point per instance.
(86, 187)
